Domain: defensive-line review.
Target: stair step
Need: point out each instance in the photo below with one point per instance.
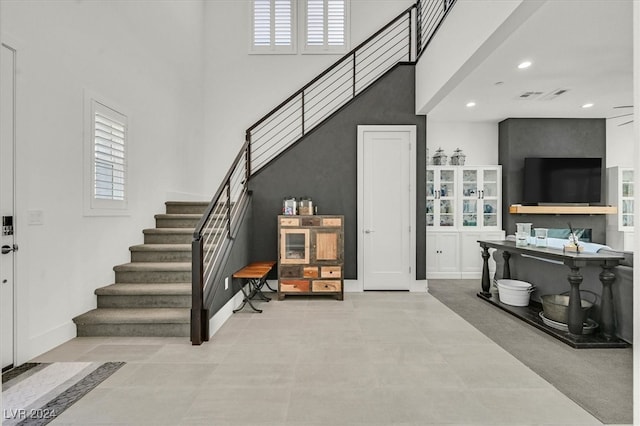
(186, 207)
(168, 235)
(145, 295)
(177, 220)
(161, 253)
(153, 272)
(164, 322)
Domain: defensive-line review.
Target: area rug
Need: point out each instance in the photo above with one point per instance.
(37, 393)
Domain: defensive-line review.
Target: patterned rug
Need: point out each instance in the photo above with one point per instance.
(36, 393)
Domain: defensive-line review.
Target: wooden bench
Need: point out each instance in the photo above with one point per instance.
(256, 275)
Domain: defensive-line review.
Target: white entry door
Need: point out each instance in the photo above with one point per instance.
(386, 207)
(7, 282)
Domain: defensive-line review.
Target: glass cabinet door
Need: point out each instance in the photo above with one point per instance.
(294, 246)
(470, 198)
(490, 197)
(627, 198)
(430, 198)
(447, 198)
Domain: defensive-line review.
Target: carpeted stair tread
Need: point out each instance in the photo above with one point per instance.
(153, 267)
(135, 316)
(161, 247)
(168, 231)
(145, 289)
(178, 216)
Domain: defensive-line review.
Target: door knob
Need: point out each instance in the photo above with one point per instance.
(9, 249)
(368, 231)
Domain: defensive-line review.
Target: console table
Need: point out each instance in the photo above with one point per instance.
(574, 261)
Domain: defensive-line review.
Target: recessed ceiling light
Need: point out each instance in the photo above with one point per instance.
(525, 64)
(589, 105)
(471, 104)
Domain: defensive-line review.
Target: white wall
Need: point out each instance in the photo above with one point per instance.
(477, 140)
(620, 142)
(241, 88)
(145, 57)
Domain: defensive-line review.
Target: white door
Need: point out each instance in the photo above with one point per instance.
(7, 282)
(386, 206)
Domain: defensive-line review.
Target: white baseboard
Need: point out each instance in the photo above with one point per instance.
(419, 286)
(353, 286)
(44, 342)
(220, 317)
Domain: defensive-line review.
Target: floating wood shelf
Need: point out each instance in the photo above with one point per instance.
(520, 209)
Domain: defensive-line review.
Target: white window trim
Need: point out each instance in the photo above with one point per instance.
(325, 49)
(93, 206)
(272, 49)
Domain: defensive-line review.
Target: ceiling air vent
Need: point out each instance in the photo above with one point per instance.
(553, 94)
(528, 96)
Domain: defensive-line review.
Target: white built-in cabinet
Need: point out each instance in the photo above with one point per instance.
(620, 193)
(442, 252)
(463, 206)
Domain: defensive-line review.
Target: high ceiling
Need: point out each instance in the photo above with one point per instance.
(583, 48)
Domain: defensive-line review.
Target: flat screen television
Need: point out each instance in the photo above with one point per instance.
(562, 180)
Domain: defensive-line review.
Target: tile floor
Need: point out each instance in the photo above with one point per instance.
(373, 359)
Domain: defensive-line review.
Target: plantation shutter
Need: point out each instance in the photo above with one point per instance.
(273, 25)
(110, 131)
(326, 24)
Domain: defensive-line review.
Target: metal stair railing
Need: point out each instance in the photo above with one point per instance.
(403, 40)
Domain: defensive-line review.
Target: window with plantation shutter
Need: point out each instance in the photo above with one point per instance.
(326, 26)
(273, 26)
(107, 157)
(109, 149)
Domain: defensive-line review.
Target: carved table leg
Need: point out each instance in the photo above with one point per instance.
(607, 318)
(486, 285)
(575, 305)
(506, 270)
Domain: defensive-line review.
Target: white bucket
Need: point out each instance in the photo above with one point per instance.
(514, 292)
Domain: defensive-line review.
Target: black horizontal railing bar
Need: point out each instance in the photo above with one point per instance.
(388, 46)
(318, 91)
(285, 107)
(292, 127)
(256, 163)
(210, 207)
(338, 96)
(429, 16)
(268, 126)
(400, 27)
(318, 98)
(382, 63)
(344, 70)
(404, 39)
(345, 57)
(431, 22)
(337, 99)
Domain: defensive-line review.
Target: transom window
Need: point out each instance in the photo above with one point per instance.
(325, 25)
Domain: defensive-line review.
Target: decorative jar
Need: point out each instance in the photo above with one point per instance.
(458, 157)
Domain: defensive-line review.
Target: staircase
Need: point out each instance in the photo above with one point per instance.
(152, 294)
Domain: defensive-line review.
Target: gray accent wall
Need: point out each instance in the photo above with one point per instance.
(323, 166)
(548, 137)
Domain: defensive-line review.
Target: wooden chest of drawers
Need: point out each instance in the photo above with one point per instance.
(310, 255)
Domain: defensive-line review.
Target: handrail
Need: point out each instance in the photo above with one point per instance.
(289, 122)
